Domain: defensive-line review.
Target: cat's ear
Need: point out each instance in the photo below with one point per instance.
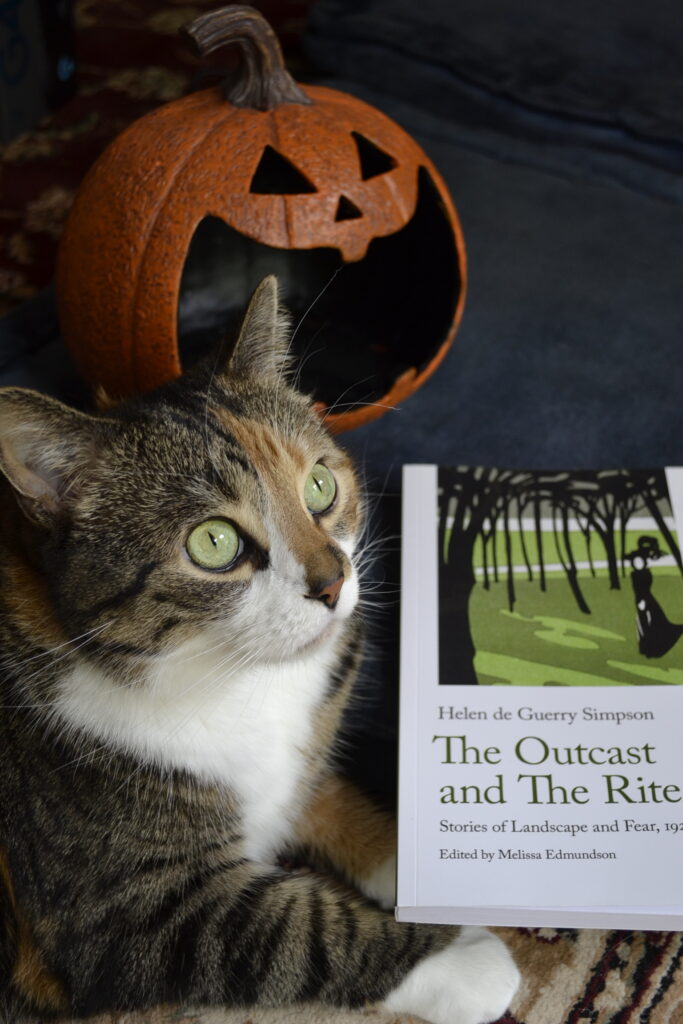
(44, 447)
(262, 347)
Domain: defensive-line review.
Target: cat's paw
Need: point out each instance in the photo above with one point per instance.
(380, 886)
(471, 981)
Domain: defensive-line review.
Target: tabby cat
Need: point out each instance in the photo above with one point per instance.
(179, 640)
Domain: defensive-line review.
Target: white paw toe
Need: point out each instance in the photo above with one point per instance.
(381, 884)
(471, 981)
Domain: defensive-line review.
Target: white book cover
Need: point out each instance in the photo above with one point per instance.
(541, 716)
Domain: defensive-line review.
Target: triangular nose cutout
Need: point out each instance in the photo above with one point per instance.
(346, 210)
(277, 176)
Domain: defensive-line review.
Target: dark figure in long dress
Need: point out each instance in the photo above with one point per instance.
(656, 635)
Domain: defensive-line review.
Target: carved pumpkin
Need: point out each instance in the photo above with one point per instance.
(194, 203)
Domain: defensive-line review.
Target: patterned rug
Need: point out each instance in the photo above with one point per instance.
(569, 977)
(130, 61)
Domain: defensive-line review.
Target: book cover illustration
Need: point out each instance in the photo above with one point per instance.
(558, 578)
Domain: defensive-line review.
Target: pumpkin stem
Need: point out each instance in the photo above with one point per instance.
(263, 81)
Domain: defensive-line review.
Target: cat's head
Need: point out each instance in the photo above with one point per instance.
(217, 510)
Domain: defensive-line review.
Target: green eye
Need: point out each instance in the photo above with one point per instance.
(214, 544)
(320, 489)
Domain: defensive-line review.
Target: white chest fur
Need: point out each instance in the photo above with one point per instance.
(246, 729)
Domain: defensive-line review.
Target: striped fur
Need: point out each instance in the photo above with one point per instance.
(167, 733)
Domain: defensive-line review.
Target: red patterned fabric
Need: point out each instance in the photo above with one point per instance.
(130, 59)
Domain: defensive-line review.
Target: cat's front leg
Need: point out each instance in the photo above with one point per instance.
(474, 978)
(224, 930)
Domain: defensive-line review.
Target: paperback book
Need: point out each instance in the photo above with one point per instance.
(541, 762)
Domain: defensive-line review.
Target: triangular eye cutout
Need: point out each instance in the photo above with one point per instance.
(277, 176)
(373, 160)
(346, 210)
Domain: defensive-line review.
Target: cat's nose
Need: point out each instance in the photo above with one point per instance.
(327, 591)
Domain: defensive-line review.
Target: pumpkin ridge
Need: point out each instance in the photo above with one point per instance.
(150, 229)
(314, 114)
(276, 142)
(390, 184)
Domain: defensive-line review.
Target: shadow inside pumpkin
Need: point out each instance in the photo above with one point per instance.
(359, 325)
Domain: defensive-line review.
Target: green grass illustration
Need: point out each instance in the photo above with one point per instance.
(547, 641)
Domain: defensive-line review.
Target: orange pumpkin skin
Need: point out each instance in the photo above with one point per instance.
(124, 247)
